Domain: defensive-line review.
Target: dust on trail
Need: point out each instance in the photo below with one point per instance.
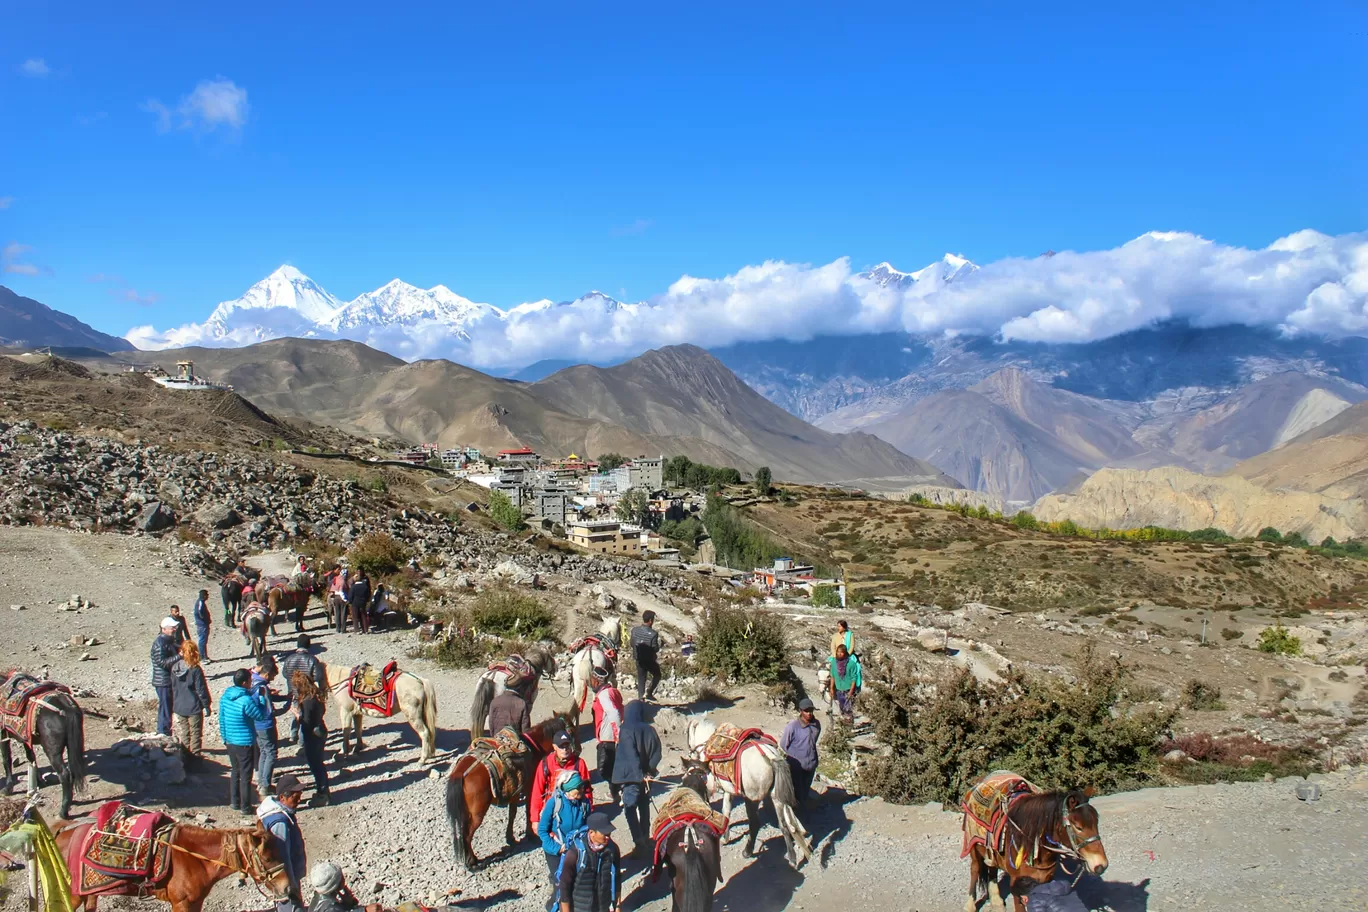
(1251, 846)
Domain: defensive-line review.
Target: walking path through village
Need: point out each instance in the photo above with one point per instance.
(1250, 846)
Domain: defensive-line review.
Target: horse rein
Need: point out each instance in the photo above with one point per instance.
(242, 861)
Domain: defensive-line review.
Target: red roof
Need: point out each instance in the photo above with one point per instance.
(525, 451)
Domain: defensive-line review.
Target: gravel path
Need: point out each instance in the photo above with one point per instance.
(1251, 846)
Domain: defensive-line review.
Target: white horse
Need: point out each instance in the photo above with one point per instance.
(416, 697)
(764, 772)
(494, 682)
(589, 659)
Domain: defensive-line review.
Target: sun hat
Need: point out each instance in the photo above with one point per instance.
(326, 878)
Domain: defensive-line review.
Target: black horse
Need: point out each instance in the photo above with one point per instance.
(693, 856)
(59, 726)
(231, 589)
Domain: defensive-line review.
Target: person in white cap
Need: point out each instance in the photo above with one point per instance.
(164, 655)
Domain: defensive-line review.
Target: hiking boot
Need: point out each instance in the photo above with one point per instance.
(319, 801)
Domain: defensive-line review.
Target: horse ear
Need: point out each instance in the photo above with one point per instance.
(1090, 791)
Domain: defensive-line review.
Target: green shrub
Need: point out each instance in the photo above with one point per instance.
(1025, 520)
(462, 649)
(826, 597)
(1269, 534)
(507, 613)
(375, 483)
(1200, 696)
(1278, 641)
(502, 511)
(942, 739)
(1229, 634)
(746, 646)
(377, 553)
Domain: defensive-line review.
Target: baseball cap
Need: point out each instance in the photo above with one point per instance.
(599, 823)
(288, 784)
(805, 705)
(563, 739)
(169, 621)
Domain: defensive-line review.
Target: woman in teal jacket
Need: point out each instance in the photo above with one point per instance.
(239, 712)
(563, 819)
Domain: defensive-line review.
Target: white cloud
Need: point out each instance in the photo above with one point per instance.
(35, 67)
(212, 104)
(123, 291)
(9, 256)
(1306, 282)
(6, 202)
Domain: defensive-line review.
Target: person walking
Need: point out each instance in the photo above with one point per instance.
(302, 659)
(799, 744)
(635, 765)
(277, 815)
(182, 628)
(607, 721)
(313, 730)
(267, 735)
(846, 680)
(337, 598)
(203, 621)
(590, 876)
(358, 597)
(509, 710)
(164, 656)
(646, 649)
(563, 762)
(843, 637)
(238, 714)
(563, 820)
(190, 699)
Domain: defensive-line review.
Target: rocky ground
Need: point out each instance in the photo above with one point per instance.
(1254, 844)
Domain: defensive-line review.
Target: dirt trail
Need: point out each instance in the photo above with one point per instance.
(1251, 846)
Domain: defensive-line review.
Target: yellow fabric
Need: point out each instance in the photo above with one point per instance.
(53, 875)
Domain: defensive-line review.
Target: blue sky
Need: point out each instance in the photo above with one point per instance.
(546, 150)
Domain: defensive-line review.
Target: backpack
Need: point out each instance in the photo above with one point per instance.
(558, 801)
(581, 845)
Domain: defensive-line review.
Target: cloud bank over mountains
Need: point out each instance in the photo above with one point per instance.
(1305, 282)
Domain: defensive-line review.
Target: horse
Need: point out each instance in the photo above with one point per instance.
(470, 792)
(59, 726)
(1039, 829)
(587, 663)
(255, 620)
(281, 595)
(494, 682)
(415, 696)
(692, 854)
(762, 770)
(231, 590)
(199, 859)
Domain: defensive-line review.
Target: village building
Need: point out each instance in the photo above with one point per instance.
(523, 456)
(785, 574)
(646, 472)
(605, 536)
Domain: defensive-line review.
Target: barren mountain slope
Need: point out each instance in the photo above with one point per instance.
(31, 324)
(1330, 459)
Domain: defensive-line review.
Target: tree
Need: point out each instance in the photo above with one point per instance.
(610, 461)
(763, 480)
(1025, 520)
(503, 512)
(1269, 534)
(634, 507)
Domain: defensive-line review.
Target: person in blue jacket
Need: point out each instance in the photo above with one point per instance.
(239, 712)
(563, 819)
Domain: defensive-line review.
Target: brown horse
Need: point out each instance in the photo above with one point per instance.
(1041, 828)
(199, 859)
(470, 793)
(280, 594)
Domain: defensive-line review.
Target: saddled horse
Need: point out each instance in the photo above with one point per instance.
(54, 720)
(231, 589)
(198, 859)
(1012, 827)
(689, 844)
(471, 789)
(759, 770)
(594, 660)
(415, 697)
(282, 594)
(256, 619)
(495, 681)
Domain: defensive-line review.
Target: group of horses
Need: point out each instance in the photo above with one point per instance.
(259, 603)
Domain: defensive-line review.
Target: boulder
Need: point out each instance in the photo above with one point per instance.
(155, 517)
(218, 516)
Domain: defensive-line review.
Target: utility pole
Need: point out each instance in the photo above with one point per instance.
(1204, 626)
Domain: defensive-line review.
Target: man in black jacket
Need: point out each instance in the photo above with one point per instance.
(646, 651)
(359, 598)
(590, 876)
(164, 656)
(302, 659)
(634, 766)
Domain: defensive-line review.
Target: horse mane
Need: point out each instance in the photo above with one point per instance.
(1042, 815)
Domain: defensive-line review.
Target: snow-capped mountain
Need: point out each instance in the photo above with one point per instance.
(595, 301)
(947, 269)
(398, 303)
(285, 303)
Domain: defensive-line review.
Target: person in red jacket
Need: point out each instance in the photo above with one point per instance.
(607, 721)
(563, 760)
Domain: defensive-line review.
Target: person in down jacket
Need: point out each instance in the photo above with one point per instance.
(239, 712)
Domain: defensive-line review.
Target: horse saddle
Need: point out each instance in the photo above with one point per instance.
(373, 688)
(517, 671)
(126, 849)
(592, 640)
(503, 756)
(985, 811)
(683, 807)
(19, 693)
(723, 750)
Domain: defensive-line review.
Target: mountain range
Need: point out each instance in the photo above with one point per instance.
(27, 323)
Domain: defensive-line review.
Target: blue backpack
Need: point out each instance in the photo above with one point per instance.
(582, 847)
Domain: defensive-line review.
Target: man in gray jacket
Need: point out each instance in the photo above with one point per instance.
(646, 651)
(164, 656)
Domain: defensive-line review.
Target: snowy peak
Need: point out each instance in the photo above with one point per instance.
(398, 303)
(285, 302)
(947, 269)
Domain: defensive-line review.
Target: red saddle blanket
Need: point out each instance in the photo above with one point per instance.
(724, 749)
(373, 688)
(126, 850)
(585, 642)
(517, 671)
(985, 811)
(683, 807)
(255, 609)
(19, 702)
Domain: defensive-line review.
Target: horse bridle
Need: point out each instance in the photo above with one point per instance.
(250, 861)
(1075, 847)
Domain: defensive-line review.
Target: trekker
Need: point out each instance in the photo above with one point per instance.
(313, 730)
(646, 650)
(563, 820)
(846, 680)
(1057, 895)
(607, 721)
(164, 655)
(277, 815)
(331, 893)
(509, 710)
(590, 878)
(203, 621)
(358, 597)
(843, 637)
(190, 699)
(302, 659)
(182, 628)
(799, 743)
(563, 761)
(337, 598)
(239, 712)
(267, 735)
(636, 764)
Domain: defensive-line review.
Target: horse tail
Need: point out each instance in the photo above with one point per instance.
(73, 721)
(786, 799)
(458, 815)
(698, 881)
(479, 709)
(429, 718)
